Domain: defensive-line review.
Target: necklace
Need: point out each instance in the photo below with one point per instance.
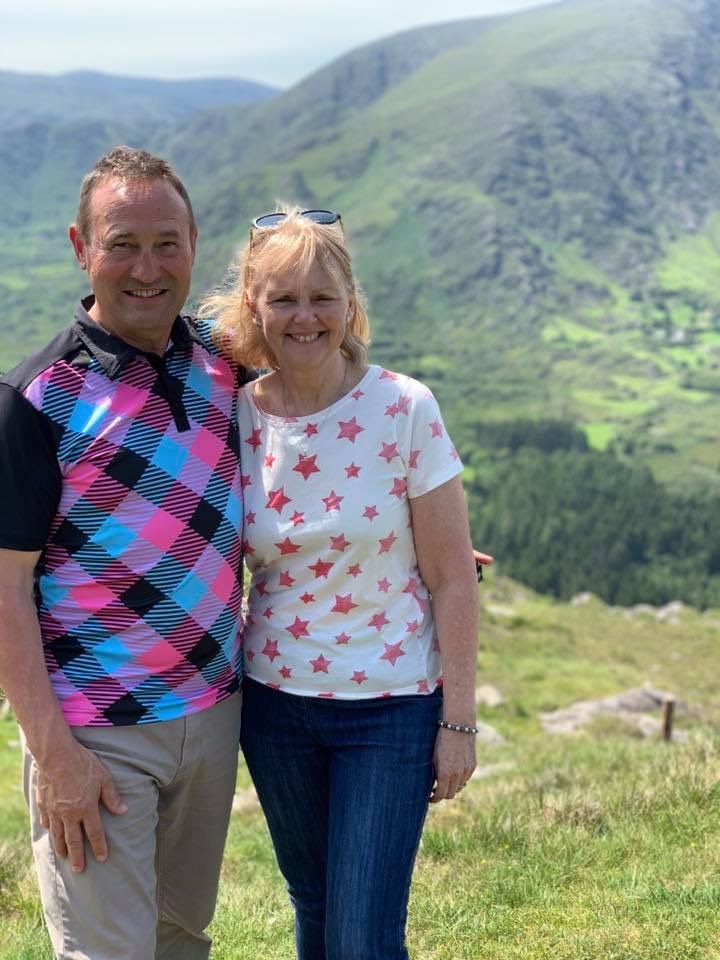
(299, 440)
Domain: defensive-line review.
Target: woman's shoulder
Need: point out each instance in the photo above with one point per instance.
(393, 383)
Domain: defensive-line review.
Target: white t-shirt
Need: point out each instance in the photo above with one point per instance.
(337, 607)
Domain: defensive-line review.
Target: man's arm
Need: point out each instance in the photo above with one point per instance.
(72, 781)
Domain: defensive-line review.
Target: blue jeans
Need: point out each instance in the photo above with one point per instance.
(345, 786)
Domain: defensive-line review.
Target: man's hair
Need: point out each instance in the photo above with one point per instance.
(124, 164)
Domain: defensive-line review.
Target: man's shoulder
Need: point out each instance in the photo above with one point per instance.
(205, 333)
(65, 345)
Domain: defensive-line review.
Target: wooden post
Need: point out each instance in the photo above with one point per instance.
(668, 709)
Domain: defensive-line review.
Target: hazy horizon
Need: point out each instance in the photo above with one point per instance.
(169, 41)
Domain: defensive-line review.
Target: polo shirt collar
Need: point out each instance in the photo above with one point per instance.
(113, 353)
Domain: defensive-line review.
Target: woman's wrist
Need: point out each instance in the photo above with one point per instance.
(458, 727)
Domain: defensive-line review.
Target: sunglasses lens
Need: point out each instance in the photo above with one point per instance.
(269, 220)
(321, 216)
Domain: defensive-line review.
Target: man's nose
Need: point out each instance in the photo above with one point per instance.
(145, 268)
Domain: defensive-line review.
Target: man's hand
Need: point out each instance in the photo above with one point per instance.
(69, 794)
(454, 761)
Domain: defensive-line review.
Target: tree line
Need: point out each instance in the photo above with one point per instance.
(563, 518)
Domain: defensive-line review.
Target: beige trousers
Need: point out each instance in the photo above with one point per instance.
(155, 894)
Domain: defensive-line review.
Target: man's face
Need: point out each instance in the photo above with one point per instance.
(139, 258)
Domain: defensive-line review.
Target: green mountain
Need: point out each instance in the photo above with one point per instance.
(534, 202)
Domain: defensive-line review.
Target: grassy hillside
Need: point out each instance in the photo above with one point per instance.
(595, 846)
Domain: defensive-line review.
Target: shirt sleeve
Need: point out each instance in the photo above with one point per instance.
(430, 457)
(30, 478)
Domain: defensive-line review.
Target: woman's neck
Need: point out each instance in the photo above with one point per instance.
(305, 392)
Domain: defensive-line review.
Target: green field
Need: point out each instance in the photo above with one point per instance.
(596, 846)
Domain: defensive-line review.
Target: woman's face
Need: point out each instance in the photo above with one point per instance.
(303, 316)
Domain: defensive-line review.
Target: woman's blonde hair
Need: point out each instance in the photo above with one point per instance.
(297, 243)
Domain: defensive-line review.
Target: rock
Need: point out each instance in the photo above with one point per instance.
(245, 801)
(670, 612)
(580, 598)
(488, 735)
(499, 610)
(637, 700)
(488, 695)
(489, 769)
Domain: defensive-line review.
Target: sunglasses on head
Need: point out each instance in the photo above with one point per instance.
(317, 216)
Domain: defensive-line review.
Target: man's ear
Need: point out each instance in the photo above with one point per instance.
(194, 234)
(78, 245)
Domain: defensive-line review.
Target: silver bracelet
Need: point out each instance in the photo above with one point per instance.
(457, 727)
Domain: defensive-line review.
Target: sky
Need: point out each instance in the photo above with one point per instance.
(270, 41)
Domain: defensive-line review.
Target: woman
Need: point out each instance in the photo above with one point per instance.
(363, 592)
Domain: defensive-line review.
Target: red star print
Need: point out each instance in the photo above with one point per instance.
(370, 513)
(250, 654)
(306, 465)
(277, 500)
(412, 626)
(384, 585)
(386, 542)
(349, 429)
(354, 570)
(320, 665)
(273, 686)
(297, 518)
(356, 394)
(393, 652)
(267, 613)
(285, 672)
(403, 405)
(245, 480)
(391, 410)
(359, 676)
(326, 696)
(287, 546)
(254, 439)
(321, 568)
(389, 451)
(270, 650)
(423, 686)
(310, 429)
(260, 586)
(285, 580)
(436, 428)
(269, 460)
(339, 543)
(387, 375)
(247, 549)
(332, 501)
(413, 459)
(399, 487)
(298, 628)
(411, 587)
(378, 621)
(454, 455)
(342, 638)
(343, 603)
(307, 597)
(249, 518)
(352, 470)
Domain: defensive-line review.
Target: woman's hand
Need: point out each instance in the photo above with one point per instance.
(454, 761)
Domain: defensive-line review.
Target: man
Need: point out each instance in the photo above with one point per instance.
(120, 533)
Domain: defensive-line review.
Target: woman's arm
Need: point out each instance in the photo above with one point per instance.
(447, 566)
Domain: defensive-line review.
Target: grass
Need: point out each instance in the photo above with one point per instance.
(597, 846)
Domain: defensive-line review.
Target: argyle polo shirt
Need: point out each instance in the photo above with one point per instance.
(122, 467)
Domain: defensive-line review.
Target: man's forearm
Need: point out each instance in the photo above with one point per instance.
(24, 678)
